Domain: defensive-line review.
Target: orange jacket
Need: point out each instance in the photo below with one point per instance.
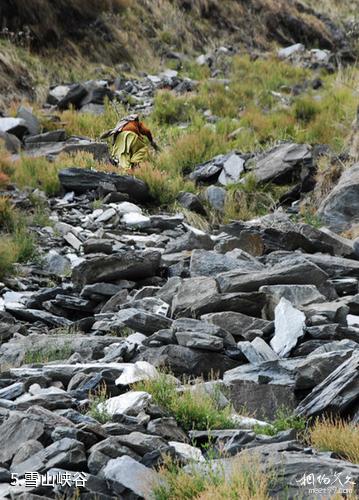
(138, 128)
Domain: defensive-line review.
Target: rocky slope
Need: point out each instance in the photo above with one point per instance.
(250, 317)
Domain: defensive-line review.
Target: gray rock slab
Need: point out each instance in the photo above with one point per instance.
(129, 265)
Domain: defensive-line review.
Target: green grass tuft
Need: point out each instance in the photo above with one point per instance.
(284, 420)
(192, 408)
(48, 354)
(96, 397)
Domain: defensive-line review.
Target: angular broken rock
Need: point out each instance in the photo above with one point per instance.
(136, 372)
(257, 351)
(233, 167)
(262, 388)
(289, 326)
(249, 303)
(316, 367)
(131, 474)
(130, 403)
(340, 209)
(336, 394)
(136, 319)
(297, 295)
(199, 340)
(125, 264)
(283, 163)
(17, 429)
(82, 180)
(299, 273)
(190, 292)
(184, 360)
(33, 315)
(238, 324)
(210, 263)
(187, 453)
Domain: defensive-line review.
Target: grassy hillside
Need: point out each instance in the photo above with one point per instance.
(94, 36)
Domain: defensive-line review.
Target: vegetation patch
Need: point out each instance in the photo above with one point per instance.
(47, 354)
(243, 480)
(284, 420)
(95, 398)
(17, 243)
(192, 408)
(336, 435)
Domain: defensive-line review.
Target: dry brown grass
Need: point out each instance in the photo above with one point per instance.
(245, 481)
(336, 435)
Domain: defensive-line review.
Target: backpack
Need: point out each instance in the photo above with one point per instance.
(119, 126)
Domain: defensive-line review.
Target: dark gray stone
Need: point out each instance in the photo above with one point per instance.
(239, 325)
(302, 273)
(316, 367)
(191, 202)
(216, 197)
(191, 292)
(32, 122)
(26, 451)
(82, 180)
(15, 431)
(12, 391)
(336, 393)
(67, 453)
(126, 264)
(134, 476)
(51, 136)
(167, 428)
(102, 452)
(283, 163)
(246, 303)
(209, 263)
(139, 321)
(190, 241)
(340, 208)
(184, 360)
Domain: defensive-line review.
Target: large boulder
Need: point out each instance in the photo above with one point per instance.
(263, 388)
(239, 325)
(141, 321)
(99, 150)
(337, 394)
(283, 163)
(124, 265)
(210, 263)
(340, 209)
(191, 292)
(82, 180)
(132, 475)
(17, 429)
(299, 273)
(184, 360)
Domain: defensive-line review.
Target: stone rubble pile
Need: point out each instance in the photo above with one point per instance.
(270, 306)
